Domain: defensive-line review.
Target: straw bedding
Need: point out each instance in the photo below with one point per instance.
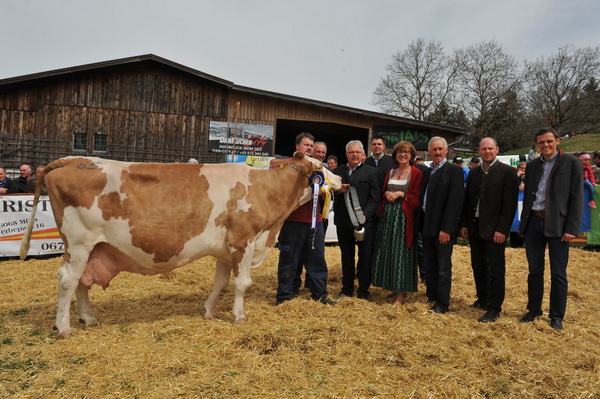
(153, 342)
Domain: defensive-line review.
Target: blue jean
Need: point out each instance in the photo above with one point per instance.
(298, 242)
(535, 248)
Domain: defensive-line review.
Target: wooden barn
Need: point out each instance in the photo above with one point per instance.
(148, 108)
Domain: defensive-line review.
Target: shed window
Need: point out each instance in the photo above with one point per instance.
(99, 142)
(79, 141)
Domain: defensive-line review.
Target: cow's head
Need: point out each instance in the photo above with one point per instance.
(307, 166)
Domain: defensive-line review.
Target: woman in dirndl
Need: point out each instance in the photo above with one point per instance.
(395, 254)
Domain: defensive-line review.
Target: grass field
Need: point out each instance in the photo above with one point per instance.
(584, 142)
(152, 341)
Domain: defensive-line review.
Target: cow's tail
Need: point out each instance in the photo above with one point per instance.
(38, 188)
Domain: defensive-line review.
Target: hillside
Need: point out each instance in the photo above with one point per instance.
(585, 142)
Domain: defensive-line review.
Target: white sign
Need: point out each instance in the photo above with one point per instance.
(15, 211)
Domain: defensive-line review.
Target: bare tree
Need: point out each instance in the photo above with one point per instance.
(418, 81)
(487, 78)
(556, 84)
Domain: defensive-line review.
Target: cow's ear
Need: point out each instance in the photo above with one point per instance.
(298, 155)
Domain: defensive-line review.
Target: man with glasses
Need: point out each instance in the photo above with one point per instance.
(364, 180)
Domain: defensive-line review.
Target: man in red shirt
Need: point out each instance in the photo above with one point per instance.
(299, 243)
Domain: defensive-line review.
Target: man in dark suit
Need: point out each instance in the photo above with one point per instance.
(379, 159)
(441, 200)
(364, 179)
(552, 215)
(488, 211)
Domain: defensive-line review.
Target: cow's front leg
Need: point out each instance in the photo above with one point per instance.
(242, 282)
(222, 273)
(85, 310)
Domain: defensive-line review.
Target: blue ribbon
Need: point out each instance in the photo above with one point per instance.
(317, 179)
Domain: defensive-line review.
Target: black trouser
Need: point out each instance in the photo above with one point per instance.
(348, 244)
(438, 268)
(489, 270)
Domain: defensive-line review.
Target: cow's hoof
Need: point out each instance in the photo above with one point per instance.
(89, 321)
(209, 315)
(63, 334)
(240, 320)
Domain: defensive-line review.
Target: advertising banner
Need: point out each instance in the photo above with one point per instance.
(593, 236)
(393, 135)
(15, 211)
(241, 139)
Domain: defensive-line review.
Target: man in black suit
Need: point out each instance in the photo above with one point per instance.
(379, 159)
(364, 179)
(488, 211)
(552, 214)
(441, 200)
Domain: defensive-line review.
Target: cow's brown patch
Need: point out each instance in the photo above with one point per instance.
(166, 206)
(111, 206)
(271, 196)
(75, 182)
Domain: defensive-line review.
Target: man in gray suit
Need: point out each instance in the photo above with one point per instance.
(488, 212)
(552, 214)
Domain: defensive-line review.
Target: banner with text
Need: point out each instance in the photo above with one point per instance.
(394, 134)
(15, 211)
(241, 139)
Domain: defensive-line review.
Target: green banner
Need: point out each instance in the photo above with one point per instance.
(593, 236)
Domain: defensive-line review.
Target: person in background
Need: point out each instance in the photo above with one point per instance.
(299, 244)
(332, 162)
(320, 152)
(588, 178)
(364, 179)
(20, 184)
(474, 163)
(418, 161)
(596, 161)
(488, 211)
(379, 159)
(552, 215)
(33, 181)
(395, 256)
(441, 202)
(5, 182)
(521, 174)
(459, 162)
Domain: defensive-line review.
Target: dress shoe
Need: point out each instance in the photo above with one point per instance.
(529, 317)
(362, 295)
(479, 304)
(342, 296)
(556, 324)
(490, 316)
(438, 308)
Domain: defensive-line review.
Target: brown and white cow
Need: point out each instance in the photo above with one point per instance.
(151, 218)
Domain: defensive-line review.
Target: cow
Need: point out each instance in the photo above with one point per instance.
(151, 218)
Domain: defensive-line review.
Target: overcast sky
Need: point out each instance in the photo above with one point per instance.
(328, 50)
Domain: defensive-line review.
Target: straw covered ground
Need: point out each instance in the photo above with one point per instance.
(153, 342)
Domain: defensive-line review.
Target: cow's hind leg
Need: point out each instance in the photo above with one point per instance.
(222, 273)
(85, 310)
(242, 282)
(68, 281)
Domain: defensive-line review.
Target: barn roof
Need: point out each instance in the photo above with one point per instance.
(154, 59)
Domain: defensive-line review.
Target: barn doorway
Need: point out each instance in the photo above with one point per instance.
(335, 135)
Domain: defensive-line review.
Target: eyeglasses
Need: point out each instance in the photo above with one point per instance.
(403, 152)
